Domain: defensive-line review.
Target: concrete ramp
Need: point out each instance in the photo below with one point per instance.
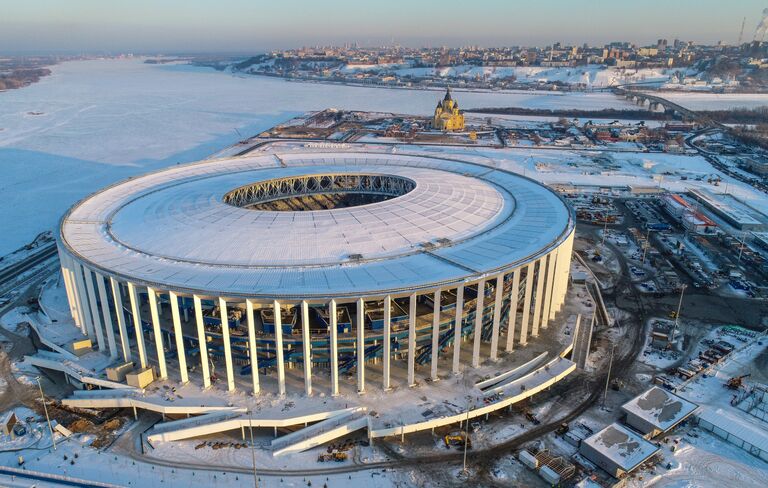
(119, 399)
(58, 362)
(320, 433)
(234, 419)
(554, 368)
(513, 374)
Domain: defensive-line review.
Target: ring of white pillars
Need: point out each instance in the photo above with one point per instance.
(108, 309)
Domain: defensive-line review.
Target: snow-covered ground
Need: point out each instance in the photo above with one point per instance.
(92, 123)
(593, 76)
(716, 101)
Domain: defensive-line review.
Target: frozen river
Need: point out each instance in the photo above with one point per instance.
(96, 122)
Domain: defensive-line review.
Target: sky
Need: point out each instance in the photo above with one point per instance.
(256, 25)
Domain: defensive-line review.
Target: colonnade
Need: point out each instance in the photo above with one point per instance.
(542, 283)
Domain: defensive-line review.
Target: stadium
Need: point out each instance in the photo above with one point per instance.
(316, 272)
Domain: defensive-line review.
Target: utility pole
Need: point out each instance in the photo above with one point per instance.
(741, 33)
(646, 244)
(45, 408)
(466, 438)
(677, 314)
(253, 449)
(608, 378)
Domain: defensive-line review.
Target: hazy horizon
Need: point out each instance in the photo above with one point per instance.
(237, 26)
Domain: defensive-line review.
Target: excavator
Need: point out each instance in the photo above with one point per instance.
(736, 382)
(457, 440)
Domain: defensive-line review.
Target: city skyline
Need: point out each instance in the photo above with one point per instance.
(238, 26)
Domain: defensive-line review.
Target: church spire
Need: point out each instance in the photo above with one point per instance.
(447, 96)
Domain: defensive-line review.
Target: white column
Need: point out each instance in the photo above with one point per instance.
(360, 357)
(77, 311)
(435, 335)
(334, 348)
(159, 349)
(136, 312)
(94, 308)
(117, 297)
(69, 288)
(497, 317)
(550, 290)
(539, 296)
(566, 262)
(387, 355)
(526, 305)
(306, 344)
(252, 352)
(279, 347)
(478, 330)
(412, 340)
(548, 287)
(203, 343)
(107, 316)
(227, 346)
(562, 273)
(457, 322)
(82, 298)
(513, 298)
(177, 332)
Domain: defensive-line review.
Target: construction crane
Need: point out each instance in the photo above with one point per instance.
(736, 382)
(741, 33)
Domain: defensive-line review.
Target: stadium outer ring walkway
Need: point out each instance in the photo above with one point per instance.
(508, 236)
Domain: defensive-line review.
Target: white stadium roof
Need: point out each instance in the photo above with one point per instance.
(172, 229)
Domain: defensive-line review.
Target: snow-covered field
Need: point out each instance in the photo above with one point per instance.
(92, 123)
(593, 76)
(717, 101)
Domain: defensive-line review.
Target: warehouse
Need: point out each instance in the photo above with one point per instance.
(617, 450)
(732, 210)
(656, 411)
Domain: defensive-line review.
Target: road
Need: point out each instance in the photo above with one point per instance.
(42, 254)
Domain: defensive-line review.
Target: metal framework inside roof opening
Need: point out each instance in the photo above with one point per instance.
(280, 188)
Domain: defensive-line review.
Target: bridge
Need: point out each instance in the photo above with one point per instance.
(658, 104)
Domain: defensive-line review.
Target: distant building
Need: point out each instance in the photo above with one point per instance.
(447, 115)
(686, 215)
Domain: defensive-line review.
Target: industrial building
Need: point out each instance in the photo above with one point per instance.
(318, 261)
(656, 411)
(732, 210)
(617, 450)
(690, 218)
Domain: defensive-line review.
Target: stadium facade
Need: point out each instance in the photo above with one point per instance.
(349, 259)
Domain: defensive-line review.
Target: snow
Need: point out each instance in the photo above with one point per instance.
(621, 446)
(105, 120)
(716, 101)
(659, 407)
(705, 461)
(593, 76)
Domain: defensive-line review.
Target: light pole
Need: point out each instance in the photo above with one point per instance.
(45, 408)
(608, 378)
(680, 304)
(466, 437)
(646, 244)
(677, 314)
(605, 229)
(253, 449)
